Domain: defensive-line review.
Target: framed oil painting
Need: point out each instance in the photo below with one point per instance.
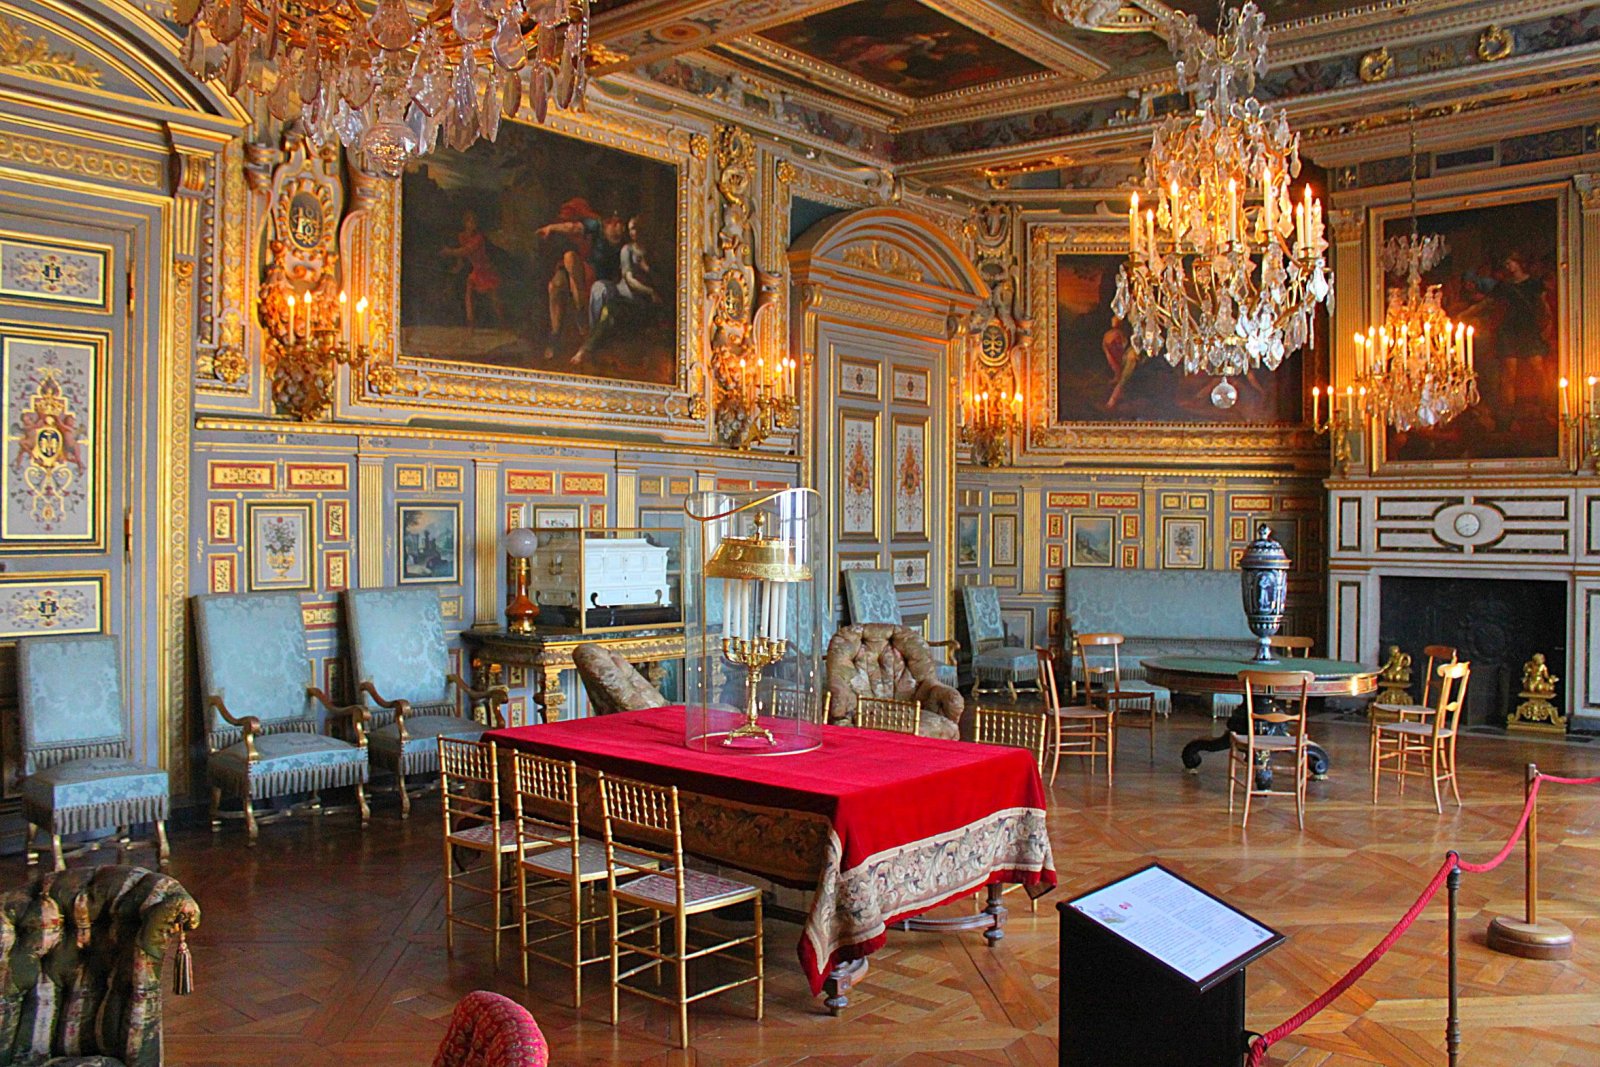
(1090, 541)
(1183, 543)
(545, 253)
(1101, 378)
(1501, 275)
(557, 517)
(430, 543)
(280, 551)
(968, 529)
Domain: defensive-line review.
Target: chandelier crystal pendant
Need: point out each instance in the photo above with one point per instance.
(1415, 365)
(388, 84)
(1224, 272)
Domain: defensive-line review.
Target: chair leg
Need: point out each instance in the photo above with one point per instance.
(55, 851)
(216, 808)
(1375, 758)
(761, 974)
(250, 819)
(1455, 790)
(1011, 687)
(1433, 777)
(361, 805)
(30, 852)
(615, 956)
(1233, 776)
(1055, 760)
(680, 933)
(499, 892)
(1249, 785)
(575, 892)
(405, 798)
(163, 850)
(449, 894)
(122, 844)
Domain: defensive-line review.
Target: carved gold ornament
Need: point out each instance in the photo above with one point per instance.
(1495, 43)
(1376, 66)
(880, 258)
(229, 365)
(33, 55)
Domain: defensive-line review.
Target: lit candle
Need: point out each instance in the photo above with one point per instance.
(1350, 400)
(1266, 200)
(291, 302)
(361, 321)
(1591, 394)
(311, 324)
(1133, 225)
(1150, 233)
(1233, 210)
(344, 300)
(1470, 332)
(1316, 405)
(1361, 355)
(1565, 406)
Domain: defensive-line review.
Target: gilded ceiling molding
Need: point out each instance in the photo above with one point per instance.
(33, 55)
(80, 161)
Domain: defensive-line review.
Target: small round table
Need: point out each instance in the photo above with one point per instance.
(1207, 676)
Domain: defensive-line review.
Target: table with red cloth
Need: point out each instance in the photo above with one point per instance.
(883, 827)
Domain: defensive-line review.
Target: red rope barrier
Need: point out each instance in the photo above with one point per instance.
(1259, 1047)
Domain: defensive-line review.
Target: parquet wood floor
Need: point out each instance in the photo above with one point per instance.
(323, 946)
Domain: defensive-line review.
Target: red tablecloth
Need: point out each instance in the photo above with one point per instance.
(907, 823)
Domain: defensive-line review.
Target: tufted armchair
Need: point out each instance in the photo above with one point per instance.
(489, 1030)
(613, 684)
(399, 654)
(870, 596)
(998, 659)
(75, 747)
(893, 662)
(80, 976)
(261, 727)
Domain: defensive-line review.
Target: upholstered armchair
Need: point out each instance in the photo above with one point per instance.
(999, 660)
(870, 596)
(399, 655)
(613, 684)
(893, 662)
(261, 726)
(75, 746)
(80, 971)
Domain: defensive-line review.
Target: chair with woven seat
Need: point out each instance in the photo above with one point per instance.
(896, 716)
(402, 661)
(469, 783)
(1028, 730)
(1103, 687)
(81, 966)
(1293, 646)
(663, 887)
(612, 683)
(1390, 711)
(1432, 741)
(262, 731)
(1077, 729)
(891, 663)
(999, 659)
(1254, 749)
(871, 598)
(489, 1030)
(553, 855)
(76, 753)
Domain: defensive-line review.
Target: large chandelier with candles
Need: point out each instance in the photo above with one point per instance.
(1415, 365)
(1224, 271)
(389, 84)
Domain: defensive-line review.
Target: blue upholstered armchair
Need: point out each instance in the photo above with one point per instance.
(261, 726)
(999, 660)
(870, 597)
(398, 651)
(75, 747)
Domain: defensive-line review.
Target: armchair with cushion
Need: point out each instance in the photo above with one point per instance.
(80, 972)
(75, 746)
(871, 598)
(998, 659)
(261, 727)
(401, 660)
(613, 684)
(890, 662)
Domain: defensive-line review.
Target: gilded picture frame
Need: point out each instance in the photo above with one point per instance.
(281, 551)
(909, 487)
(428, 543)
(1091, 541)
(859, 494)
(1183, 543)
(1002, 540)
(968, 540)
(70, 602)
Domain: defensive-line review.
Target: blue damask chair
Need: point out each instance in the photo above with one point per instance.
(398, 651)
(261, 726)
(75, 747)
(870, 597)
(999, 660)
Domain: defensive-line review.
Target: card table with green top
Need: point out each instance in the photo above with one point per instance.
(1209, 676)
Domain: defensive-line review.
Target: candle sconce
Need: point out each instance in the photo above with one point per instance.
(1584, 423)
(1346, 415)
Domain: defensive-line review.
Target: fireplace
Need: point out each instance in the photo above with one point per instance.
(1495, 623)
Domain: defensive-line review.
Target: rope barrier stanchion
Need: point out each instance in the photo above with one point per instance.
(1452, 1019)
(1530, 937)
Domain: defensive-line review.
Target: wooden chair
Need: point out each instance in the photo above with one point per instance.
(1246, 750)
(469, 782)
(1015, 729)
(1419, 712)
(553, 855)
(1080, 729)
(1102, 685)
(641, 811)
(1432, 742)
(898, 716)
(1292, 645)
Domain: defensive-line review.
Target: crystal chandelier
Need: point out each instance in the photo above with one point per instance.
(390, 85)
(1416, 365)
(1224, 271)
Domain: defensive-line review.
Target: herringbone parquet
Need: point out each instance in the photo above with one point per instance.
(324, 946)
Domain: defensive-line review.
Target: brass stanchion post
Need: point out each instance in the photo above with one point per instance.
(1528, 937)
(1452, 1022)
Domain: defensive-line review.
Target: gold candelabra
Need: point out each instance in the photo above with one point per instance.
(307, 340)
(1346, 414)
(758, 401)
(991, 423)
(754, 654)
(1584, 422)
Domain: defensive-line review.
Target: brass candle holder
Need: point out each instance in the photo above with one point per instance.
(754, 654)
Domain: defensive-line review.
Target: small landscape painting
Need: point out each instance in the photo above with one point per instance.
(430, 538)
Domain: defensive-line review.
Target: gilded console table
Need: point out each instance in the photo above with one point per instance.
(547, 652)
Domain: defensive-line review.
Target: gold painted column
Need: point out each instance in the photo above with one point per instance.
(1350, 285)
(486, 555)
(627, 497)
(369, 520)
(1585, 362)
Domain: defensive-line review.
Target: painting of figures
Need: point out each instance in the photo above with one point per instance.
(1101, 378)
(541, 252)
(1499, 276)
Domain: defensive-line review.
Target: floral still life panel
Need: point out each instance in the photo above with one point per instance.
(280, 546)
(542, 252)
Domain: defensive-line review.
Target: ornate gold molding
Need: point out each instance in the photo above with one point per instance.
(880, 258)
(92, 163)
(33, 55)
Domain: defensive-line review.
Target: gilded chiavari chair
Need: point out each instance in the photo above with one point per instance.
(1135, 709)
(642, 812)
(1015, 729)
(1431, 742)
(1285, 733)
(470, 784)
(1293, 646)
(1424, 708)
(787, 702)
(897, 716)
(1079, 729)
(557, 870)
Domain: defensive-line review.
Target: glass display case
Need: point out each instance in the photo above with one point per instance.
(753, 609)
(606, 580)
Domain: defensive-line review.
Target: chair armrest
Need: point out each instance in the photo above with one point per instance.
(952, 644)
(401, 708)
(249, 724)
(356, 713)
(492, 698)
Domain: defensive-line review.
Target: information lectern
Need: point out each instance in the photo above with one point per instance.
(1152, 974)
